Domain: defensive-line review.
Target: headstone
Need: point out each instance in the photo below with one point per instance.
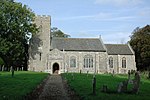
(113, 73)
(22, 68)
(87, 73)
(80, 71)
(129, 74)
(122, 87)
(12, 70)
(125, 85)
(119, 89)
(136, 83)
(94, 85)
(104, 88)
(17, 68)
(3, 68)
(72, 76)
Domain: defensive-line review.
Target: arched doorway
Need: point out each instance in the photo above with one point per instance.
(55, 68)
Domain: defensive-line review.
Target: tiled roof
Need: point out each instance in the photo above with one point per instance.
(122, 49)
(77, 44)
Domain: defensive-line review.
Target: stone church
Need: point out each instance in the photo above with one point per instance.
(60, 55)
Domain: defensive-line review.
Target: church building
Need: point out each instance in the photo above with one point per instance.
(60, 55)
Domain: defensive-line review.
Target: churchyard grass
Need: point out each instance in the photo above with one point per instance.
(23, 82)
(82, 85)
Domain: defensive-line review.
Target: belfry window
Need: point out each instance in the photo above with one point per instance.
(110, 62)
(72, 61)
(88, 61)
(123, 62)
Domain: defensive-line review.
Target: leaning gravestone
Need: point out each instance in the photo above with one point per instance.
(136, 83)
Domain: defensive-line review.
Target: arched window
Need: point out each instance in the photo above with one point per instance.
(88, 61)
(110, 62)
(123, 62)
(72, 61)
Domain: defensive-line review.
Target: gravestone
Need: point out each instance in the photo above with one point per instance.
(12, 70)
(80, 71)
(87, 73)
(119, 89)
(94, 85)
(113, 73)
(122, 87)
(136, 83)
(17, 68)
(3, 68)
(72, 76)
(129, 74)
(104, 88)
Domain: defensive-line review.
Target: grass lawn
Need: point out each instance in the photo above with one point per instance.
(23, 82)
(82, 85)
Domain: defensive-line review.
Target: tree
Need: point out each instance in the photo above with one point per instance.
(55, 32)
(16, 22)
(140, 42)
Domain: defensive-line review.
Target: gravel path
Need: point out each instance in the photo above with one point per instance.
(54, 89)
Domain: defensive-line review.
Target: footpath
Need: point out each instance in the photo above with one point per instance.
(54, 89)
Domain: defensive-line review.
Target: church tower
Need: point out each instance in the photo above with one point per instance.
(40, 45)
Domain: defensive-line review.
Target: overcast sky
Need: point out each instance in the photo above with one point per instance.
(114, 20)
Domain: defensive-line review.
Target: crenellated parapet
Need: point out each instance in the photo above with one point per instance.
(44, 17)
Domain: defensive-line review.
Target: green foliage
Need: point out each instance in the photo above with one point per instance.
(16, 21)
(20, 85)
(140, 42)
(55, 32)
(82, 85)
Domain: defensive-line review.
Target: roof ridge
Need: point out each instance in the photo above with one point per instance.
(116, 44)
(73, 38)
